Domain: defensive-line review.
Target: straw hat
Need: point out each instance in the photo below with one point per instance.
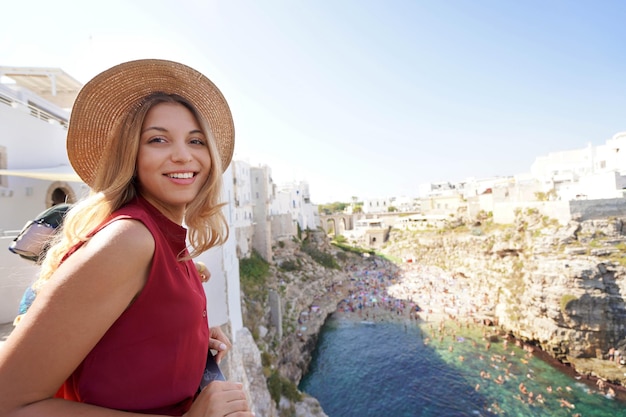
(108, 97)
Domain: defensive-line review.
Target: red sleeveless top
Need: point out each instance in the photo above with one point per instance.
(152, 358)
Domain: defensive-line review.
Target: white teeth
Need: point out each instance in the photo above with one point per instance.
(181, 175)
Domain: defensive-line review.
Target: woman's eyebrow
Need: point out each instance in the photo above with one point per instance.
(160, 129)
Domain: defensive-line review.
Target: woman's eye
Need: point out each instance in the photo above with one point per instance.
(197, 141)
(156, 139)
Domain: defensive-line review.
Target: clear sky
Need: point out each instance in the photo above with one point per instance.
(366, 98)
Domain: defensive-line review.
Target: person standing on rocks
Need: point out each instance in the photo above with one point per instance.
(119, 325)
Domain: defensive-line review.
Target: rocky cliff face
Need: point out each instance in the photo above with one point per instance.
(559, 287)
(308, 283)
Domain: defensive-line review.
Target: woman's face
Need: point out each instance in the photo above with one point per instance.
(173, 161)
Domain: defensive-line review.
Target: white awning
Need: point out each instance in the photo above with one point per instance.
(58, 173)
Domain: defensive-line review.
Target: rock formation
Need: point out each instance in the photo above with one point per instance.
(558, 287)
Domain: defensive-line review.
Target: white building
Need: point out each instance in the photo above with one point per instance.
(295, 199)
(265, 212)
(262, 191)
(376, 205)
(594, 172)
(243, 208)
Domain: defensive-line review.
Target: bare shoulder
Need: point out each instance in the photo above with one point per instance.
(126, 236)
(118, 256)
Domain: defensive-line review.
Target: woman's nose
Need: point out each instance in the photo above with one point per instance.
(181, 153)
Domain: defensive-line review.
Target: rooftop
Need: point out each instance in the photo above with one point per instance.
(52, 84)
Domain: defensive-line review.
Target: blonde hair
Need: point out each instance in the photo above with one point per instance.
(114, 186)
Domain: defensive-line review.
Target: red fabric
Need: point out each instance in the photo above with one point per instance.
(152, 358)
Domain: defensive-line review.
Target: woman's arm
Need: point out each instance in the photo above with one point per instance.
(73, 310)
(83, 298)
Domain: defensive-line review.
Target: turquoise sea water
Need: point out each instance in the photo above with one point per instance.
(383, 369)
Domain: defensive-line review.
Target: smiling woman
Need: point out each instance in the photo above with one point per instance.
(120, 314)
(174, 158)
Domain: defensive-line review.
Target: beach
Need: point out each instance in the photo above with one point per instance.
(382, 291)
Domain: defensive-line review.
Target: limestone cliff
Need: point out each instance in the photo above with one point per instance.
(285, 313)
(561, 288)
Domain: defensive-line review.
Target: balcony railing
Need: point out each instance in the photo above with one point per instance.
(34, 111)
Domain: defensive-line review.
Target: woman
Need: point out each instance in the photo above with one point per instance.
(119, 322)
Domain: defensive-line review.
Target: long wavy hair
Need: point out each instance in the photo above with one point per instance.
(114, 186)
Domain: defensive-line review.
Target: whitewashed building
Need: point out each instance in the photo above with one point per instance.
(243, 208)
(376, 205)
(594, 172)
(262, 188)
(265, 212)
(295, 199)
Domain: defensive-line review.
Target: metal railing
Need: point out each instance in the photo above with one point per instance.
(35, 111)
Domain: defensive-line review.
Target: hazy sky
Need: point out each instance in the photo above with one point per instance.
(366, 98)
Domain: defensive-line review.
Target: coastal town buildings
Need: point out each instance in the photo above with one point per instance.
(268, 212)
(565, 185)
(295, 198)
(376, 205)
(262, 195)
(242, 207)
(383, 205)
(568, 185)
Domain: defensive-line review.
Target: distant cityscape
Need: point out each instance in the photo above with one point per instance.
(564, 185)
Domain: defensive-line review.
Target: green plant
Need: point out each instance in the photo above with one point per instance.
(325, 259)
(565, 300)
(342, 256)
(290, 265)
(340, 239)
(353, 249)
(266, 359)
(253, 273)
(279, 386)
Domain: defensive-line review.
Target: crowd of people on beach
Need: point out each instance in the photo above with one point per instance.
(367, 292)
(410, 290)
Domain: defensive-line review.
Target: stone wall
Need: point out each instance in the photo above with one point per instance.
(597, 209)
(504, 212)
(283, 226)
(563, 211)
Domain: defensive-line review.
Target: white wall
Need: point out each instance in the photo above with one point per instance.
(29, 143)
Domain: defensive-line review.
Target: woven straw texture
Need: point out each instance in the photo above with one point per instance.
(106, 99)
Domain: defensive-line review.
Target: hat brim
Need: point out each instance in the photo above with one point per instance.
(111, 94)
